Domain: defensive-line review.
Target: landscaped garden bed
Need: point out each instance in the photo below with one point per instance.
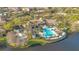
(40, 34)
(23, 29)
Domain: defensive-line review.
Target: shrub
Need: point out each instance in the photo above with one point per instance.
(12, 44)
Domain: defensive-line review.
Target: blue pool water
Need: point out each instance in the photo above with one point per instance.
(48, 32)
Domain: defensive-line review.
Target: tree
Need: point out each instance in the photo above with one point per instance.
(3, 42)
(16, 21)
(25, 19)
(8, 26)
(74, 18)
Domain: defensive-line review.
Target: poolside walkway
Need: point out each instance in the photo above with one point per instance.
(69, 44)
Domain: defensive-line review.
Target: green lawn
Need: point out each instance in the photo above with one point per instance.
(36, 42)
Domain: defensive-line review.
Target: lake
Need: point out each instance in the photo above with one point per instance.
(71, 43)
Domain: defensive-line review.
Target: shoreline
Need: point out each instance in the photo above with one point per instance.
(13, 49)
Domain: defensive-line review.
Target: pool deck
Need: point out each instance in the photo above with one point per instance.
(69, 44)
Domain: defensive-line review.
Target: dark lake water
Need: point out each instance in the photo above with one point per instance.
(71, 43)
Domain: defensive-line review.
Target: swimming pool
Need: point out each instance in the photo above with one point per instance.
(48, 32)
